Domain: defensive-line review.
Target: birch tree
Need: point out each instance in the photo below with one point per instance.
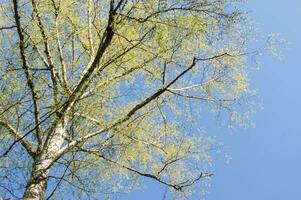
(96, 94)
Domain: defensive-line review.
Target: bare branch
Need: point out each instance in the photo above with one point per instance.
(7, 27)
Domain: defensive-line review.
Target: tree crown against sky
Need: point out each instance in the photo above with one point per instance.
(97, 94)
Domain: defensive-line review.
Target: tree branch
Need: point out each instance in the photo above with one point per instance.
(47, 51)
(175, 186)
(105, 42)
(88, 118)
(60, 50)
(13, 132)
(84, 80)
(7, 27)
(27, 71)
(137, 107)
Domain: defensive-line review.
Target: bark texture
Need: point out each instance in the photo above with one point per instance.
(37, 184)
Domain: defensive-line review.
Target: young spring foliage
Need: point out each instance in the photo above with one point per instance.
(97, 94)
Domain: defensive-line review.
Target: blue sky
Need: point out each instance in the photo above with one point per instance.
(266, 162)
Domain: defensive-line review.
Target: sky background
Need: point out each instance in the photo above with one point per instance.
(266, 162)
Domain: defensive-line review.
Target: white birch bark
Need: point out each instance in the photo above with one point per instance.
(37, 184)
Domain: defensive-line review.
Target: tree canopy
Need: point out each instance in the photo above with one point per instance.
(97, 94)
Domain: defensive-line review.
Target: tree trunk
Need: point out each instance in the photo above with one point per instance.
(37, 184)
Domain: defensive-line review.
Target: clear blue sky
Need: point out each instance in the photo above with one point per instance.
(266, 161)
